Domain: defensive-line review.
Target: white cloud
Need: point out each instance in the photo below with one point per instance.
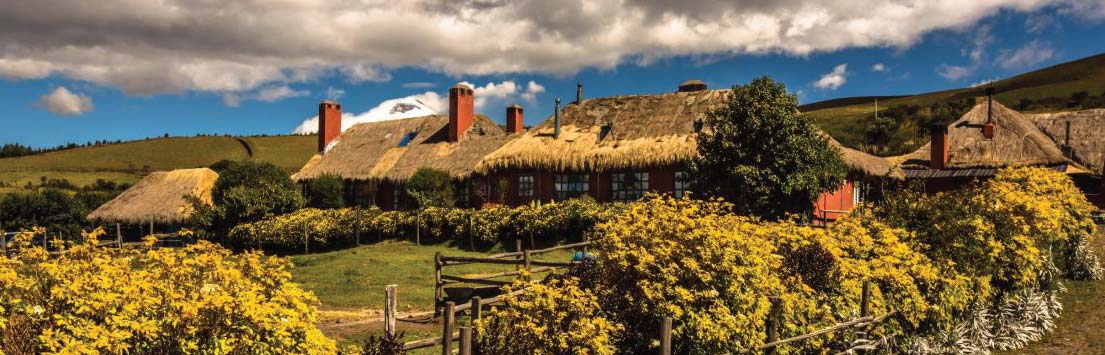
(834, 79)
(182, 45)
(334, 93)
(879, 67)
(1030, 54)
(983, 82)
(63, 102)
(419, 85)
(532, 89)
(953, 72)
(278, 93)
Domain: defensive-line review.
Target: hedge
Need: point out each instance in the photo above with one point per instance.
(546, 222)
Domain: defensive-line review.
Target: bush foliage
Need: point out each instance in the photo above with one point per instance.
(557, 317)
(194, 300)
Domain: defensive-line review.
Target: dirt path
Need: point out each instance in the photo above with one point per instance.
(1081, 328)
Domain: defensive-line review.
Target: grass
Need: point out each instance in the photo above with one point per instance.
(129, 161)
(350, 285)
(1080, 327)
(844, 118)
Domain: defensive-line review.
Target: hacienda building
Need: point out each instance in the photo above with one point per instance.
(611, 149)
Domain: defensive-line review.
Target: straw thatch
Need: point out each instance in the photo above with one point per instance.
(1016, 142)
(159, 197)
(1087, 135)
(630, 132)
(370, 151)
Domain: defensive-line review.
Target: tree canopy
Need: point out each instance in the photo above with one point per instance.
(765, 157)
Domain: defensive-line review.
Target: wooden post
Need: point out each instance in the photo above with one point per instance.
(389, 311)
(526, 260)
(518, 248)
(418, 227)
(465, 340)
(475, 313)
(447, 329)
(665, 336)
(151, 227)
(773, 324)
(471, 234)
(360, 216)
(865, 300)
(306, 241)
(437, 281)
(584, 248)
(531, 245)
(118, 236)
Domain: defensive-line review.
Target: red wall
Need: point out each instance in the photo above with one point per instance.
(843, 199)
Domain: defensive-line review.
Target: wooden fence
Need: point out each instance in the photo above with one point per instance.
(45, 240)
(464, 338)
(522, 259)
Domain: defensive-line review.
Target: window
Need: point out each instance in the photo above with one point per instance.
(570, 186)
(682, 183)
(407, 139)
(525, 186)
(629, 186)
(355, 192)
(857, 193)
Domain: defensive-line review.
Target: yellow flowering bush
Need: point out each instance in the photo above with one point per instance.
(556, 317)
(289, 232)
(199, 299)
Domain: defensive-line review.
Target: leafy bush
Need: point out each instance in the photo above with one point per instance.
(325, 228)
(547, 319)
(195, 300)
(326, 191)
(431, 188)
(61, 213)
(246, 191)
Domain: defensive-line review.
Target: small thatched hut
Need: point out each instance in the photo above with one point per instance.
(159, 198)
(988, 138)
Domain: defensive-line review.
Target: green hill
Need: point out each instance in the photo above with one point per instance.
(1075, 85)
(128, 161)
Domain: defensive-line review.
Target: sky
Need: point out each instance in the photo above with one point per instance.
(130, 69)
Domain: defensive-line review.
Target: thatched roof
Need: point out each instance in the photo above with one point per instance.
(1087, 135)
(159, 197)
(630, 132)
(372, 151)
(1016, 142)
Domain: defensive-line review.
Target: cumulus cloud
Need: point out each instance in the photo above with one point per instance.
(501, 92)
(1030, 54)
(532, 89)
(418, 85)
(63, 102)
(182, 45)
(268, 94)
(334, 93)
(953, 72)
(834, 79)
(878, 67)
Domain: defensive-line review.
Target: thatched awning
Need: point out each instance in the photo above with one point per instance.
(1016, 142)
(1087, 135)
(632, 132)
(393, 150)
(159, 197)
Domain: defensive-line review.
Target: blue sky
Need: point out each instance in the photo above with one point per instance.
(48, 97)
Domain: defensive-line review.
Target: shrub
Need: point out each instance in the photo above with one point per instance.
(431, 188)
(326, 191)
(325, 228)
(554, 318)
(245, 192)
(195, 300)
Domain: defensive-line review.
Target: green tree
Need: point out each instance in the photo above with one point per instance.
(760, 153)
(431, 188)
(326, 192)
(246, 191)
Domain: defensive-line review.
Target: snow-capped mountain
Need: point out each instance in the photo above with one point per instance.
(393, 109)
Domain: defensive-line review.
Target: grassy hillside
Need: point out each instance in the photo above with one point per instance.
(1045, 90)
(128, 161)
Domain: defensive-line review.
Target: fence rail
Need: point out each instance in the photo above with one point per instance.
(521, 258)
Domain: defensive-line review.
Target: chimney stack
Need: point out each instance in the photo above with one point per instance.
(988, 128)
(514, 118)
(461, 111)
(579, 92)
(938, 146)
(556, 119)
(329, 123)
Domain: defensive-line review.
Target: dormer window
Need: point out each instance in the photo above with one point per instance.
(407, 139)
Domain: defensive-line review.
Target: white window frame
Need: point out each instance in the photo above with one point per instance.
(568, 186)
(628, 186)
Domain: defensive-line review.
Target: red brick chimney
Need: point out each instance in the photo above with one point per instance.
(514, 119)
(329, 123)
(461, 111)
(938, 146)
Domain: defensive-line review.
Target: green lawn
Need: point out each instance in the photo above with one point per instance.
(350, 285)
